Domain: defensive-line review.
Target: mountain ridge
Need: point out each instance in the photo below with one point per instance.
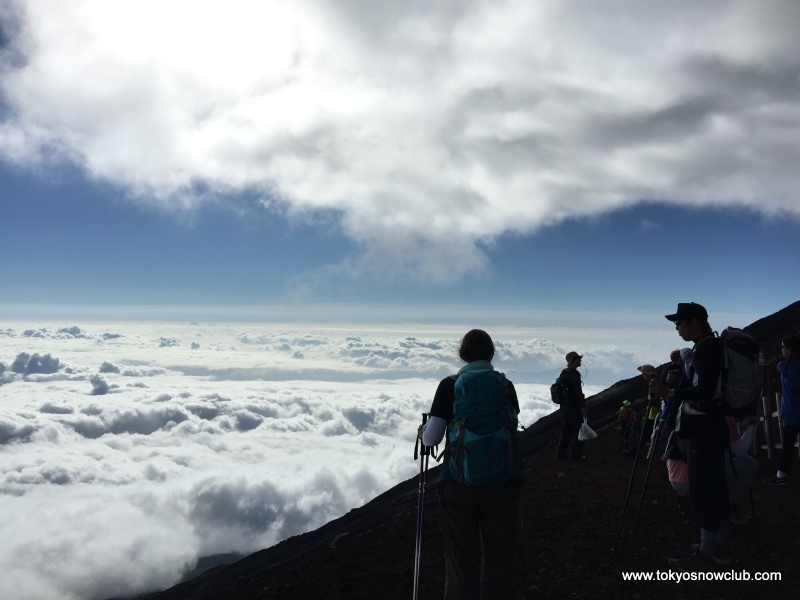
(343, 557)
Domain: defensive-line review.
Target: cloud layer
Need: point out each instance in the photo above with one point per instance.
(425, 131)
(127, 459)
(132, 458)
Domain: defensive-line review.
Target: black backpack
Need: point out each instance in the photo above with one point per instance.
(559, 390)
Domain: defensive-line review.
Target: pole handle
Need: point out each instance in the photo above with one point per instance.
(418, 441)
(425, 450)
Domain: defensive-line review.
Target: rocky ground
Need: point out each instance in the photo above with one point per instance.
(571, 515)
(570, 518)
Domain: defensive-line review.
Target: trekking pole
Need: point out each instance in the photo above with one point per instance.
(651, 452)
(766, 417)
(423, 468)
(628, 493)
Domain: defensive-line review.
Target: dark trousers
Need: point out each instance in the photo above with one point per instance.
(789, 436)
(571, 421)
(479, 530)
(708, 440)
(625, 428)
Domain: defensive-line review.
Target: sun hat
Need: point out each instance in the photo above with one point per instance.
(572, 356)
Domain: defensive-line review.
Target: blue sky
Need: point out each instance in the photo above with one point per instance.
(406, 156)
(80, 242)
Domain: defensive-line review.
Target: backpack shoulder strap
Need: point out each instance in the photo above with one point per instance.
(564, 378)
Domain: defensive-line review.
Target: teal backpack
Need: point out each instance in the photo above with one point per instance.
(482, 434)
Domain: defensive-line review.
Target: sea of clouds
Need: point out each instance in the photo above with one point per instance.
(131, 449)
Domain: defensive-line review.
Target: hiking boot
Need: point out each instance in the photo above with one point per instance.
(720, 556)
(777, 481)
(694, 561)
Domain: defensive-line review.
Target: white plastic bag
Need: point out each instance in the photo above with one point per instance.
(586, 432)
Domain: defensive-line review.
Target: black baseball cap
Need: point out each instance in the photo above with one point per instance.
(687, 310)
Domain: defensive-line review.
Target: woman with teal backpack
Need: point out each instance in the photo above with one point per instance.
(481, 475)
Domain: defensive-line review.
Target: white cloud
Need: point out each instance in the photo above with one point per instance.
(427, 130)
(231, 447)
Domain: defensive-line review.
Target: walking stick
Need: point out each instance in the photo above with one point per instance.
(423, 469)
(650, 454)
(766, 395)
(628, 493)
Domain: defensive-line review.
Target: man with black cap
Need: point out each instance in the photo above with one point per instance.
(701, 421)
(573, 410)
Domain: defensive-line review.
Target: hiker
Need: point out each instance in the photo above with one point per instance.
(677, 378)
(624, 420)
(675, 365)
(636, 421)
(573, 410)
(673, 376)
(479, 522)
(740, 468)
(700, 420)
(652, 407)
(789, 368)
(676, 375)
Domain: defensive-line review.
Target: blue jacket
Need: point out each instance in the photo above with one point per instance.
(790, 386)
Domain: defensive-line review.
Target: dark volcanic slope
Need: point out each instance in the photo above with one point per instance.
(571, 514)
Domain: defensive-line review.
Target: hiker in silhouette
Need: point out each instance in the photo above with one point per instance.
(636, 421)
(480, 520)
(624, 421)
(652, 407)
(673, 376)
(789, 368)
(678, 374)
(700, 420)
(573, 410)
